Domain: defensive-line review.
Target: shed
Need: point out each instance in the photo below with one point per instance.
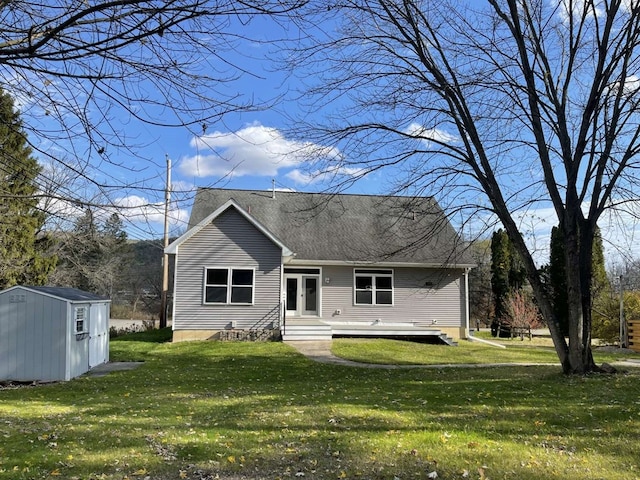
(51, 333)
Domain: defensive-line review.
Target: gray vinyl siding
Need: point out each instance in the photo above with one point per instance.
(229, 241)
(441, 301)
(33, 338)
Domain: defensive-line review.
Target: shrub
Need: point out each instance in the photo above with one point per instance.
(521, 315)
(606, 314)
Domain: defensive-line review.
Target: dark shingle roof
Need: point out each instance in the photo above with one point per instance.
(68, 293)
(344, 227)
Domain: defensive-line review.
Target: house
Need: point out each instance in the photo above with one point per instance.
(317, 266)
(51, 333)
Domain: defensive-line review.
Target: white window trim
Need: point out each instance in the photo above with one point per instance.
(363, 272)
(76, 310)
(229, 285)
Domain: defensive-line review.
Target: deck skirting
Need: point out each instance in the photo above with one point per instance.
(315, 329)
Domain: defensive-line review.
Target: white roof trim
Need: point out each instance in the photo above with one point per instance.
(365, 264)
(57, 297)
(173, 247)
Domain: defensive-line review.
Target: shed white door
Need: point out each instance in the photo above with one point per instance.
(98, 335)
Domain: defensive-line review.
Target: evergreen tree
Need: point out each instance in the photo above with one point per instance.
(24, 249)
(115, 255)
(507, 274)
(500, 264)
(480, 294)
(599, 280)
(94, 255)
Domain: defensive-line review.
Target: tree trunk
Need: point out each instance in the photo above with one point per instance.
(578, 247)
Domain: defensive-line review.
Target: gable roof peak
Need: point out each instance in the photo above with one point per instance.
(333, 226)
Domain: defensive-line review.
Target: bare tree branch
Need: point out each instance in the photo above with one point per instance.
(507, 106)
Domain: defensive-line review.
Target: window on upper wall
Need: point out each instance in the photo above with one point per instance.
(229, 285)
(80, 319)
(373, 287)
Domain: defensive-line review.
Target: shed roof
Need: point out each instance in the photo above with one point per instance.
(66, 293)
(345, 227)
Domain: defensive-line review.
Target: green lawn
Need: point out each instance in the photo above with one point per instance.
(383, 351)
(261, 410)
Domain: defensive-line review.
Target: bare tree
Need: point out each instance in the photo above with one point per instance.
(511, 106)
(83, 71)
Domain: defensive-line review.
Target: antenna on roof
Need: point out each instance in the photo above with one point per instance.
(273, 188)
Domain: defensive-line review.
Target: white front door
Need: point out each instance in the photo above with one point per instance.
(302, 295)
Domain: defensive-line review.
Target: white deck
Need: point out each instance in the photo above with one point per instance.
(313, 329)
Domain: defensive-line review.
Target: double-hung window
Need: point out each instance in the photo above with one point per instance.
(229, 285)
(373, 287)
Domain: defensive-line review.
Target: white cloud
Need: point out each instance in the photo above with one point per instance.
(60, 211)
(252, 150)
(307, 178)
(430, 134)
(138, 209)
(581, 8)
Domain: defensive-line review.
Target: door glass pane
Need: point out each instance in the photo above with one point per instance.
(292, 294)
(311, 294)
(303, 271)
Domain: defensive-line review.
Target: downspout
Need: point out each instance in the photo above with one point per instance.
(466, 302)
(282, 294)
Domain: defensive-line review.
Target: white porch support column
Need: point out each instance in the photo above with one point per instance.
(466, 302)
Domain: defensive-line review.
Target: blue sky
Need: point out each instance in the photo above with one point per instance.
(250, 149)
(247, 150)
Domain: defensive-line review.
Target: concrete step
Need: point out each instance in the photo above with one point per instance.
(448, 340)
(294, 337)
(306, 329)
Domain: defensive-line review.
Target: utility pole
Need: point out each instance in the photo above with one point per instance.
(165, 257)
(622, 319)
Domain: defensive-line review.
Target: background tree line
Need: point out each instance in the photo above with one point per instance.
(501, 297)
(94, 254)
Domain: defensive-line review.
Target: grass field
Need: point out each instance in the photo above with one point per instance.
(261, 410)
(383, 351)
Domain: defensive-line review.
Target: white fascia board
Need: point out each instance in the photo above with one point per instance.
(37, 292)
(296, 261)
(173, 247)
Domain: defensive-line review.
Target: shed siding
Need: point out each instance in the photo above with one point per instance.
(229, 241)
(32, 338)
(413, 301)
